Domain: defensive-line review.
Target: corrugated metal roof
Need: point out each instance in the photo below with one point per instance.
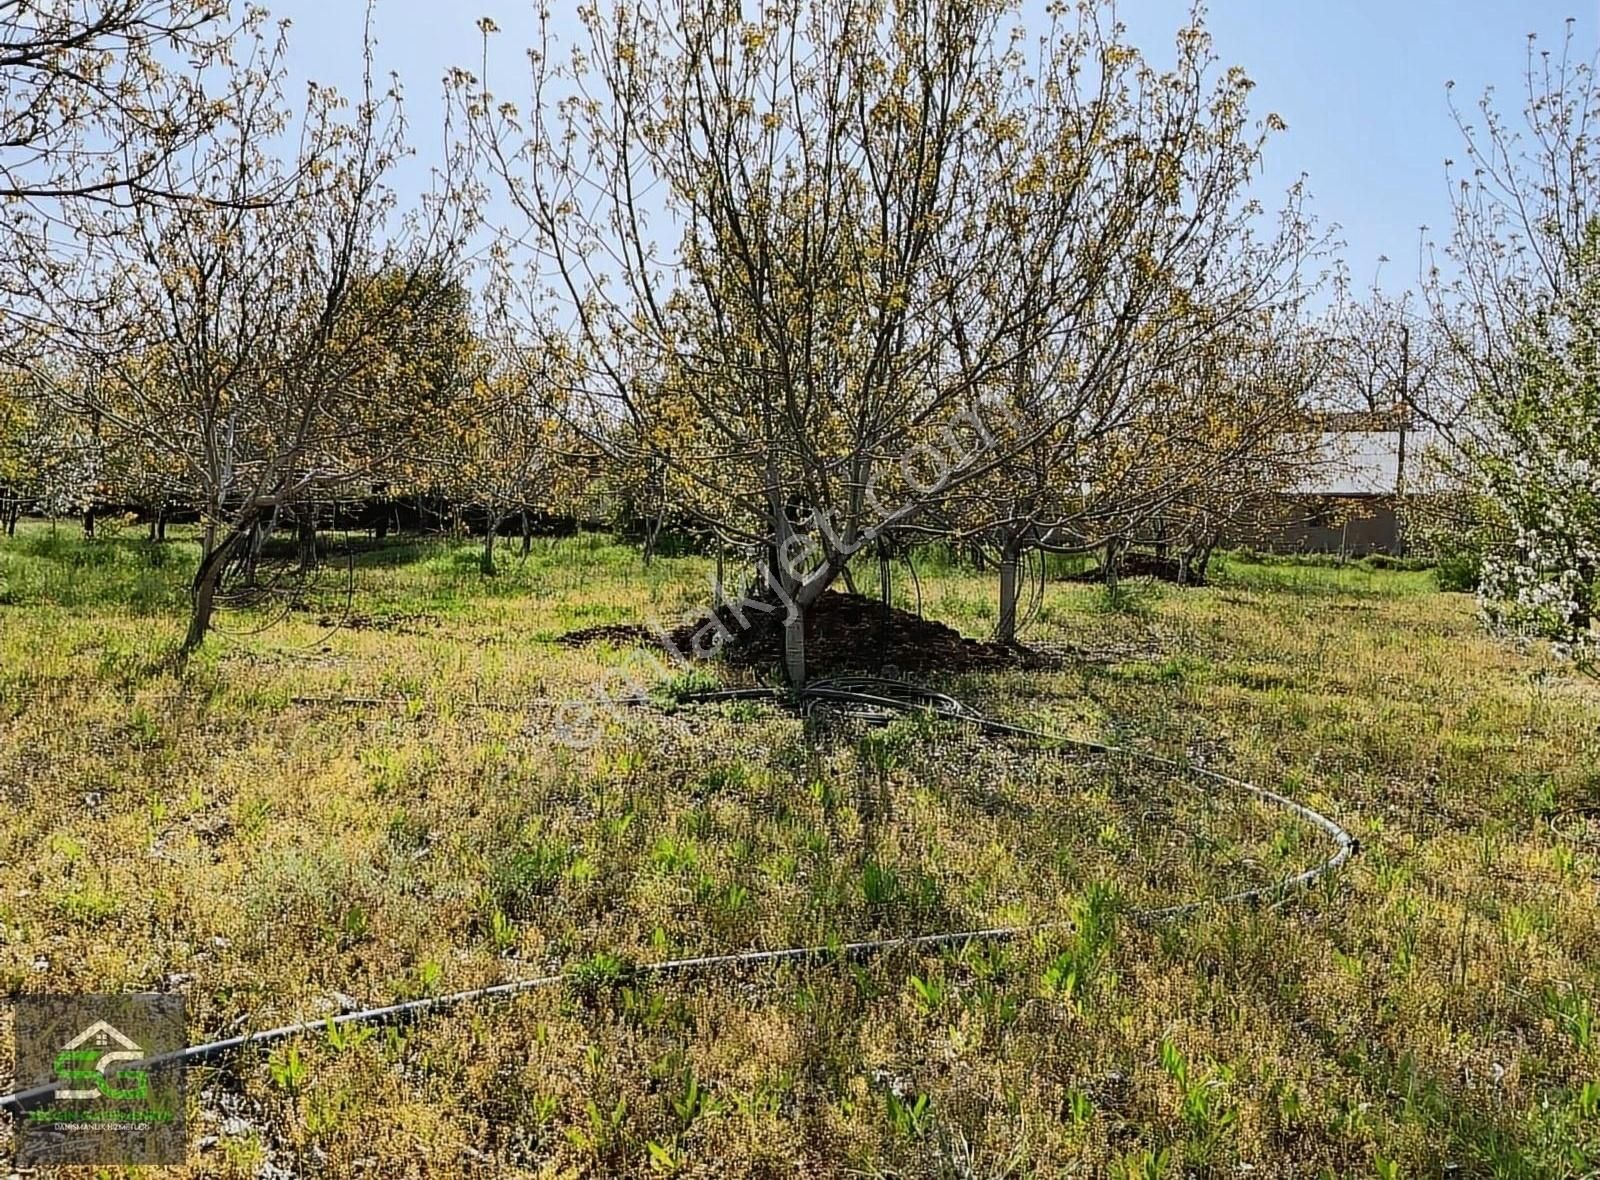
(1357, 463)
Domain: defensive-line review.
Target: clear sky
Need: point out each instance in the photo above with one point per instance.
(1361, 84)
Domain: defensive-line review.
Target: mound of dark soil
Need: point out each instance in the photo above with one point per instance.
(621, 634)
(1144, 565)
(844, 632)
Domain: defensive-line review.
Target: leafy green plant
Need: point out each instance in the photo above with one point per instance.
(880, 885)
(1573, 1013)
(908, 1117)
(694, 1101)
(930, 993)
(665, 1158)
(288, 1070)
(601, 971)
(342, 1038)
(429, 974)
(518, 880)
(1145, 1165)
(502, 931)
(1202, 1096)
(1080, 1109)
(604, 1127)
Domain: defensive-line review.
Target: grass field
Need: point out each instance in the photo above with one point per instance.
(232, 832)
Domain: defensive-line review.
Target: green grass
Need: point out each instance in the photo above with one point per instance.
(197, 829)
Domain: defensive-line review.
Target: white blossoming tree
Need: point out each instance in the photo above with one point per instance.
(1541, 472)
(1516, 302)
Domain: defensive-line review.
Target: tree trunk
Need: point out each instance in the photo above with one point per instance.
(1113, 560)
(204, 606)
(1400, 456)
(1010, 592)
(306, 527)
(206, 581)
(794, 648)
(161, 523)
(794, 623)
(486, 566)
(257, 541)
(652, 531)
(1583, 615)
(88, 523)
(527, 534)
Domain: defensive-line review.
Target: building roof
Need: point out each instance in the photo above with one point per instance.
(1357, 463)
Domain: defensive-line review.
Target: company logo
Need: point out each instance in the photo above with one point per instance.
(100, 1094)
(91, 1055)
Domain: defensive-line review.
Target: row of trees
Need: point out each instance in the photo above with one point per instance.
(236, 318)
(849, 275)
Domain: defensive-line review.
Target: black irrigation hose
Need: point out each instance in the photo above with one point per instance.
(869, 699)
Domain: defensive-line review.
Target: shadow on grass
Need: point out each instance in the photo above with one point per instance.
(1459, 1129)
(52, 567)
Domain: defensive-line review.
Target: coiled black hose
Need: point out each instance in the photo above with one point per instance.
(869, 699)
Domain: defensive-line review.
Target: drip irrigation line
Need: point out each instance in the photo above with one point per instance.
(872, 700)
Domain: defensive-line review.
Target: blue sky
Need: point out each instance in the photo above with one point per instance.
(1361, 84)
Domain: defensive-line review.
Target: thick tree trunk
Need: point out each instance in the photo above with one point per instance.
(205, 593)
(206, 581)
(1010, 587)
(794, 623)
(88, 523)
(161, 524)
(1006, 629)
(794, 648)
